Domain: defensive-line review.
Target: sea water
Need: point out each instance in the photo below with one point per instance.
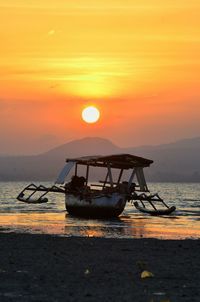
(52, 218)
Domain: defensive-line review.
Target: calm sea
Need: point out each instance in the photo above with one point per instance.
(52, 218)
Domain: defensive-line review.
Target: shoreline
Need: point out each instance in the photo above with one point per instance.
(55, 268)
(62, 224)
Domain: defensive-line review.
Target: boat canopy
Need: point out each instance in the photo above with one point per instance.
(118, 161)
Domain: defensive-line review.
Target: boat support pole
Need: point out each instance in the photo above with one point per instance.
(151, 203)
(164, 203)
(76, 168)
(105, 182)
(87, 174)
(143, 204)
(110, 176)
(120, 176)
(131, 178)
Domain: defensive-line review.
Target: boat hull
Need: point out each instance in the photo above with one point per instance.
(100, 206)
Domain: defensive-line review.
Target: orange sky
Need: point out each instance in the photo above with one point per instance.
(138, 61)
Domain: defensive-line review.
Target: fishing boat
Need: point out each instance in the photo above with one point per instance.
(123, 182)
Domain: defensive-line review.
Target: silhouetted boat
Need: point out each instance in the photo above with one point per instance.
(124, 182)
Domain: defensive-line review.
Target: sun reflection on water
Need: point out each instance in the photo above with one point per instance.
(52, 218)
(123, 227)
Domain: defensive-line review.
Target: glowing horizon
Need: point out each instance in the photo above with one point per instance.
(139, 61)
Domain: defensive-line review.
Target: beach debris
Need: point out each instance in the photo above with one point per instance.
(142, 265)
(146, 274)
(87, 272)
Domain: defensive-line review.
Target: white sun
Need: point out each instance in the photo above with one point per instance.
(90, 114)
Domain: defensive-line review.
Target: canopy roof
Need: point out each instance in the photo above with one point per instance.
(118, 161)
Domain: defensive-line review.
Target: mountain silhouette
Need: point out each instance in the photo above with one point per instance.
(177, 161)
(83, 147)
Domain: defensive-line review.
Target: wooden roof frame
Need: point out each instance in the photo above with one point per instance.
(117, 161)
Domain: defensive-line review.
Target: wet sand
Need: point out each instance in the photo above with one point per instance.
(50, 268)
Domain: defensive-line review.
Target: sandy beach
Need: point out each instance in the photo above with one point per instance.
(52, 268)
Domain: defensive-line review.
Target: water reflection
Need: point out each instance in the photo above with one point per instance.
(115, 227)
(128, 226)
(52, 218)
(133, 227)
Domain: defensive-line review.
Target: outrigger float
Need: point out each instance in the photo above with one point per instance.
(124, 182)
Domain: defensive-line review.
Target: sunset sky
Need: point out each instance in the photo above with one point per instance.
(138, 61)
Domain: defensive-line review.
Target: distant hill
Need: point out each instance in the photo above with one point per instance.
(46, 166)
(178, 161)
(83, 147)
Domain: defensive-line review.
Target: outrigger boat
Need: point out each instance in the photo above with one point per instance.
(124, 182)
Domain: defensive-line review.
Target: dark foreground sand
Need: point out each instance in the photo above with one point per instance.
(47, 268)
